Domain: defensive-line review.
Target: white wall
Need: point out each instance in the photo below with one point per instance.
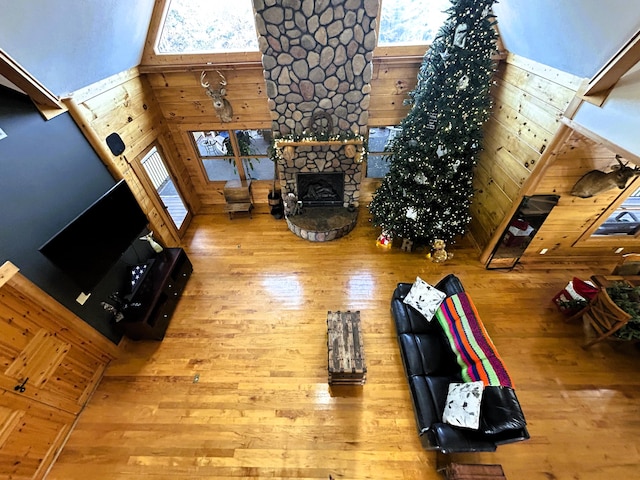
(579, 37)
(69, 44)
(618, 120)
(575, 36)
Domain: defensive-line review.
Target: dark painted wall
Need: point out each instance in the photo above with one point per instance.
(49, 174)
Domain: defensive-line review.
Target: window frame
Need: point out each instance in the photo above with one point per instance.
(164, 61)
(151, 56)
(588, 237)
(375, 153)
(238, 159)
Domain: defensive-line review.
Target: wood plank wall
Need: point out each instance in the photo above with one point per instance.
(162, 106)
(567, 230)
(529, 99)
(185, 107)
(126, 104)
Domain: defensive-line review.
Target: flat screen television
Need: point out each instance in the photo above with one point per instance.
(88, 246)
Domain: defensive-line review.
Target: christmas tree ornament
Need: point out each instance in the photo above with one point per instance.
(412, 213)
(421, 178)
(445, 55)
(441, 151)
(463, 83)
(460, 35)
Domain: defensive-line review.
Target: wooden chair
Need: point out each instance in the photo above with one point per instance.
(604, 316)
(629, 264)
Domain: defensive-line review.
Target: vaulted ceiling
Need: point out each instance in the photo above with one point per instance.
(68, 45)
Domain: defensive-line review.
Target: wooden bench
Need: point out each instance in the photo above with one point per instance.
(460, 471)
(345, 349)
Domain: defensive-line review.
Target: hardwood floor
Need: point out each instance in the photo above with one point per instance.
(252, 326)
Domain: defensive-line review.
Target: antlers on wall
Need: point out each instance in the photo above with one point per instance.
(220, 104)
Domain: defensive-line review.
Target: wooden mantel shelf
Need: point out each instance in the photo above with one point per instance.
(316, 143)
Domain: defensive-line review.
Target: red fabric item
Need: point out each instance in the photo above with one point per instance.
(584, 289)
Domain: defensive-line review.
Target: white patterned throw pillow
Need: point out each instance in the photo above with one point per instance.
(463, 405)
(424, 298)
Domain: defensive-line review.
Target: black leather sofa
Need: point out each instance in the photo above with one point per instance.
(430, 365)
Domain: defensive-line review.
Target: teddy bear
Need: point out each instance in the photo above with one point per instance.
(439, 253)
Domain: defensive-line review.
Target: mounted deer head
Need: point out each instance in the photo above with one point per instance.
(595, 182)
(220, 104)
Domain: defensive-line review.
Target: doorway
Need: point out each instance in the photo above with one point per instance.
(172, 201)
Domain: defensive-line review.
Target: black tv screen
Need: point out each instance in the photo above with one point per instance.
(88, 246)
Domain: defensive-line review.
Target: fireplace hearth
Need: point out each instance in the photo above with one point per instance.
(321, 189)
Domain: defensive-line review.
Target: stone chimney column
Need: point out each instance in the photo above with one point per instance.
(317, 57)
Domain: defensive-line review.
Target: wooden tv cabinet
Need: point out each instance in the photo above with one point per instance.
(149, 310)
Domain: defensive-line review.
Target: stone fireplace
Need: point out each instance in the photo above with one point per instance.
(316, 56)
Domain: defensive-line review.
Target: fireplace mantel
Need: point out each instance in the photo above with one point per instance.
(316, 143)
(353, 147)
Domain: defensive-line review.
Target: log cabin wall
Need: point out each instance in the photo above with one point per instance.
(185, 107)
(165, 103)
(529, 100)
(126, 104)
(568, 229)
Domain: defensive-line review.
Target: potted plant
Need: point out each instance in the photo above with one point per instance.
(627, 298)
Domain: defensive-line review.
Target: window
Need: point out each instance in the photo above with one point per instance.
(234, 154)
(208, 26)
(378, 159)
(411, 22)
(625, 220)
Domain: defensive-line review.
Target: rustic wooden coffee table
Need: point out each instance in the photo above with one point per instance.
(345, 348)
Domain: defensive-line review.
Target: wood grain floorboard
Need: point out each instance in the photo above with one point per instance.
(252, 325)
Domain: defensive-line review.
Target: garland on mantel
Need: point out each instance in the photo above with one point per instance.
(276, 153)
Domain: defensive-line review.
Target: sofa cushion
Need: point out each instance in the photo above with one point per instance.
(500, 411)
(409, 320)
(423, 406)
(439, 388)
(463, 405)
(426, 354)
(449, 439)
(475, 352)
(424, 298)
(450, 285)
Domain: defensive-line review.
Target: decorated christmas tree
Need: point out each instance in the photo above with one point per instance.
(428, 190)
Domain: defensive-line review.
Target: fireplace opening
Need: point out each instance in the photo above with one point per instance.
(321, 189)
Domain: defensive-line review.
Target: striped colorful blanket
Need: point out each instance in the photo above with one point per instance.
(475, 352)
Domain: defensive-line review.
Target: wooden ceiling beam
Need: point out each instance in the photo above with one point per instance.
(601, 84)
(48, 104)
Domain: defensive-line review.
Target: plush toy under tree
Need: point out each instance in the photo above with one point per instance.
(427, 192)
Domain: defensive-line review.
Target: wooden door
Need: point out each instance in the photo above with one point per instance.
(50, 363)
(31, 433)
